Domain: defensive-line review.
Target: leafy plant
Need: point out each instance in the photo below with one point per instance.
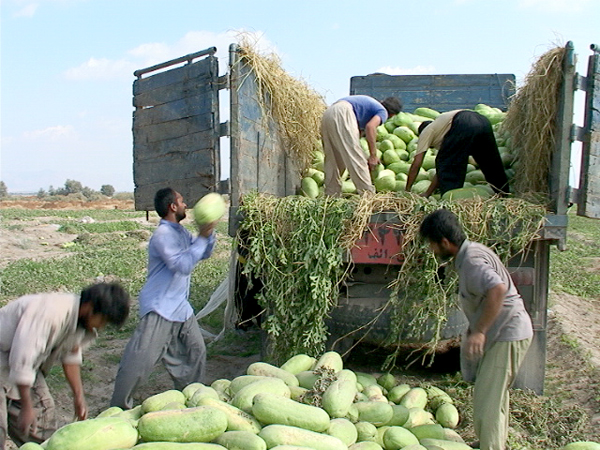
(295, 245)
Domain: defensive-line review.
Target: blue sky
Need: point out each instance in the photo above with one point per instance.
(67, 65)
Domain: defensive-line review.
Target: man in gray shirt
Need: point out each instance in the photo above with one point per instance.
(500, 329)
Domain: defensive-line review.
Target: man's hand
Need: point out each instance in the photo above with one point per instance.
(81, 409)
(475, 345)
(73, 376)
(373, 162)
(207, 229)
(26, 420)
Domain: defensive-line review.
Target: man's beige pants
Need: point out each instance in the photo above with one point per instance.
(43, 405)
(342, 149)
(495, 374)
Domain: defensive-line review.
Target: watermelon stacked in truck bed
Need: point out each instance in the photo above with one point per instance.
(396, 147)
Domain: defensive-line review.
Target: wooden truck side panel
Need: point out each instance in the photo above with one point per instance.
(259, 161)
(176, 132)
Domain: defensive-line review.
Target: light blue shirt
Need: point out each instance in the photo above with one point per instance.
(172, 255)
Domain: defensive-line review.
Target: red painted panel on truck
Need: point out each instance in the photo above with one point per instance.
(381, 243)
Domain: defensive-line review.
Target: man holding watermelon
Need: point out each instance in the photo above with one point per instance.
(500, 329)
(341, 127)
(457, 135)
(168, 330)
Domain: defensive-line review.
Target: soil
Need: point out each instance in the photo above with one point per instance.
(573, 348)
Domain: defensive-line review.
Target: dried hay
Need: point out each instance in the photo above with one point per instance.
(294, 106)
(531, 121)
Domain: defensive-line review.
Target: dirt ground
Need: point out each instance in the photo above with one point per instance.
(572, 322)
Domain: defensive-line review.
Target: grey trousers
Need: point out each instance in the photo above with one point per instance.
(45, 413)
(179, 345)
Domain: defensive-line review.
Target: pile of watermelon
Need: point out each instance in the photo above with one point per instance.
(306, 403)
(396, 147)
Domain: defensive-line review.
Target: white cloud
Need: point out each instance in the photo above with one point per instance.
(418, 70)
(155, 52)
(27, 11)
(567, 6)
(101, 69)
(151, 53)
(28, 8)
(53, 134)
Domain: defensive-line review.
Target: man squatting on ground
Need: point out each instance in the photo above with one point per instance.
(168, 330)
(500, 329)
(457, 135)
(37, 330)
(341, 126)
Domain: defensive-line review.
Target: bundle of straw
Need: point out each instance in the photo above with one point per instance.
(531, 122)
(289, 101)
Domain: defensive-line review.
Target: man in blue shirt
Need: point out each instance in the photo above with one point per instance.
(341, 127)
(168, 330)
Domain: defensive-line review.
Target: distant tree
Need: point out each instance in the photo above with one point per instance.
(88, 192)
(73, 187)
(52, 191)
(3, 190)
(41, 193)
(107, 190)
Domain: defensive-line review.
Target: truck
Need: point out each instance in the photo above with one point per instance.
(177, 136)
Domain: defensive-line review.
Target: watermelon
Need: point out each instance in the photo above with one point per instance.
(381, 133)
(386, 145)
(402, 119)
(429, 113)
(400, 185)
(348, 187)
(420, 186)
(461, 194)
(385, 184)
(405, 133)
(319, 177)
(309, 187)
(399, 144)
(475, 177)
(428, 162)
(209, 208)
(389, 125)
(390, 156)
(403, 154)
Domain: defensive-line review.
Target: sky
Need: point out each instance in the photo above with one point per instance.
(66, 66)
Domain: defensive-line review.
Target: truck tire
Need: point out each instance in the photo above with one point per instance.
(364, 319)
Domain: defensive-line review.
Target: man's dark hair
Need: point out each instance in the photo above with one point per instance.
(424, 125)
(392, 105)
(440, 224)
(162, 199)
(108, 299)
